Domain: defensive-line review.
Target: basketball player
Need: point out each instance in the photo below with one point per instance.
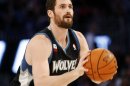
(55, 56)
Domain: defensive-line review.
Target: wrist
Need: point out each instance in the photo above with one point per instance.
(78, 72)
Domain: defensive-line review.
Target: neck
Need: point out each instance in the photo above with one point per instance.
(60, 34)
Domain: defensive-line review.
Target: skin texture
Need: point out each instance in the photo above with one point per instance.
(34, 53)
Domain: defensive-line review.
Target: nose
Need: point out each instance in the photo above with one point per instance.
(69, 11)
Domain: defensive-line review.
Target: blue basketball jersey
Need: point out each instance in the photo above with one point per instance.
(60, 61)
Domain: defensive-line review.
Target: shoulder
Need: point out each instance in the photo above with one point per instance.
(79, 35)
(39, 40)
(38, 45)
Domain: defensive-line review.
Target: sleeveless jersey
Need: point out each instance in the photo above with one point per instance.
(60, 61)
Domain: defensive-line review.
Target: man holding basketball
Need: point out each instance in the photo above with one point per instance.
(55, 56)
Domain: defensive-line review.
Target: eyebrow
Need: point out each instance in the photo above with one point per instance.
(65, 4)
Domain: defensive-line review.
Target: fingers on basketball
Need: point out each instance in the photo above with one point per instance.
(102, 65)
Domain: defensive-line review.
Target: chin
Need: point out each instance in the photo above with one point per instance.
(65, 27)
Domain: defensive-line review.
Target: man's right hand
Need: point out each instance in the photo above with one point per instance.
(80, 68)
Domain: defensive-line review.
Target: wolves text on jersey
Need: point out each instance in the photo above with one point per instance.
(61, 65)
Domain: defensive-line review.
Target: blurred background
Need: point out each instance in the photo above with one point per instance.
(104, 23)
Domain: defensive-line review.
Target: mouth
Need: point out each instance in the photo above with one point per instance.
(67, 16)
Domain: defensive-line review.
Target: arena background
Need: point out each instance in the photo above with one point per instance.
(104, 23)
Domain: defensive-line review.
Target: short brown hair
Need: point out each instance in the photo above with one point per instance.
(50, 4)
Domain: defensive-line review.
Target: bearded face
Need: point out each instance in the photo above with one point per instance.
(66, 21)
(62, 14)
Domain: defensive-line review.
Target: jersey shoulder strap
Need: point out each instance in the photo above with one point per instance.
(47, 33)
(72, 32)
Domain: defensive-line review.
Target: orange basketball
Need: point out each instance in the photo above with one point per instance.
(102, 65)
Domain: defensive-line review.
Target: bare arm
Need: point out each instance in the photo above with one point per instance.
(40, 49)
(84, 49)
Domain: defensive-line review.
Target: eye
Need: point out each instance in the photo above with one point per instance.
(70, 6)
(62, 6)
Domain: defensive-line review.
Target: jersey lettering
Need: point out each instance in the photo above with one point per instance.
(61, 65)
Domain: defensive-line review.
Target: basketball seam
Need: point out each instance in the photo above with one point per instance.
(106, 64)
(98, 64)
(109, 72)
(106, 73)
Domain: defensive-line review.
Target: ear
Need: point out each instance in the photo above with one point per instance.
(50, 13)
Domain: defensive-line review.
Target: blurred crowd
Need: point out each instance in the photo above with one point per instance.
(21, 19)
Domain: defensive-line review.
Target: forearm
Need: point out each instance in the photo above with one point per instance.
(65, 79)
(60, 80)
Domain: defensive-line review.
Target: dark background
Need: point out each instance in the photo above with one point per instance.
(21, 19)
